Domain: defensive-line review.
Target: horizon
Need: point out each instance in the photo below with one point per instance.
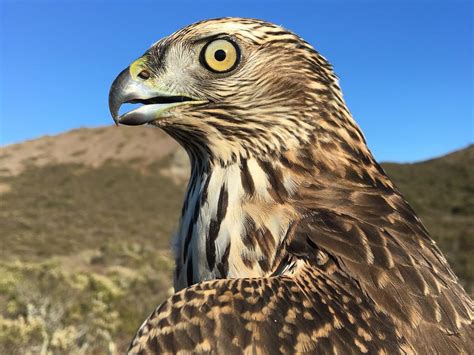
(405, 68)
(444, 154)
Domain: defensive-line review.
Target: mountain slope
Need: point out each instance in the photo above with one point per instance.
(91, 147)
(86, 219)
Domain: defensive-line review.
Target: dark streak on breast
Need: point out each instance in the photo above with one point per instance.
(223, 265)
(190, 231)
(204, 190)
(189, 271)
(246, 177)
(214, 227)
(248, 237)
(264, 264)
(275, 177)
(266, 242)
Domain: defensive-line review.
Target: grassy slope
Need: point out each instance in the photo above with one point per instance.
(85, 255)
(66, 208)
(99, 238)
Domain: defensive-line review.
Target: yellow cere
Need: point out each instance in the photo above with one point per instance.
(220, 55)
(137, 66)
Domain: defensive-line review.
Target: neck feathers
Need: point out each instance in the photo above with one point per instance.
(233, 221)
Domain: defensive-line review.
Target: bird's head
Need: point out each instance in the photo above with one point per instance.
(232, 87)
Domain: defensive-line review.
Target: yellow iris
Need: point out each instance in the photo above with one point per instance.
(220, 55)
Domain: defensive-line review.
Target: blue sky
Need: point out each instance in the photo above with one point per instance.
(406, 67)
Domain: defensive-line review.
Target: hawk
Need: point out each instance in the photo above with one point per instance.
(292, 239)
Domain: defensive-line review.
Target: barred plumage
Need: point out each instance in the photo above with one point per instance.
(292, 238)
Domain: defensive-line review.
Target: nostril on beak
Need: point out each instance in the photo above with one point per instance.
(144, 75)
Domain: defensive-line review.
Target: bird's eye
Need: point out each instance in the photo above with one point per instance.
(220, 56)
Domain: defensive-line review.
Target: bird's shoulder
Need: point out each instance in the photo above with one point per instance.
(398, 267)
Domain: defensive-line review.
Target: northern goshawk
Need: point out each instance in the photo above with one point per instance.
(292, 238)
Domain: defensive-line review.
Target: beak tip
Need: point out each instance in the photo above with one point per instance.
(117, 96)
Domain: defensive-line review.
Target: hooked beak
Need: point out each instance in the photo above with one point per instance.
(126, 89)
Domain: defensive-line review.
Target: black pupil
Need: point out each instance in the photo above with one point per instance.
(219, 55)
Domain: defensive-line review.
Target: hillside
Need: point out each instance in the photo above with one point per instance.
(86, 218)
